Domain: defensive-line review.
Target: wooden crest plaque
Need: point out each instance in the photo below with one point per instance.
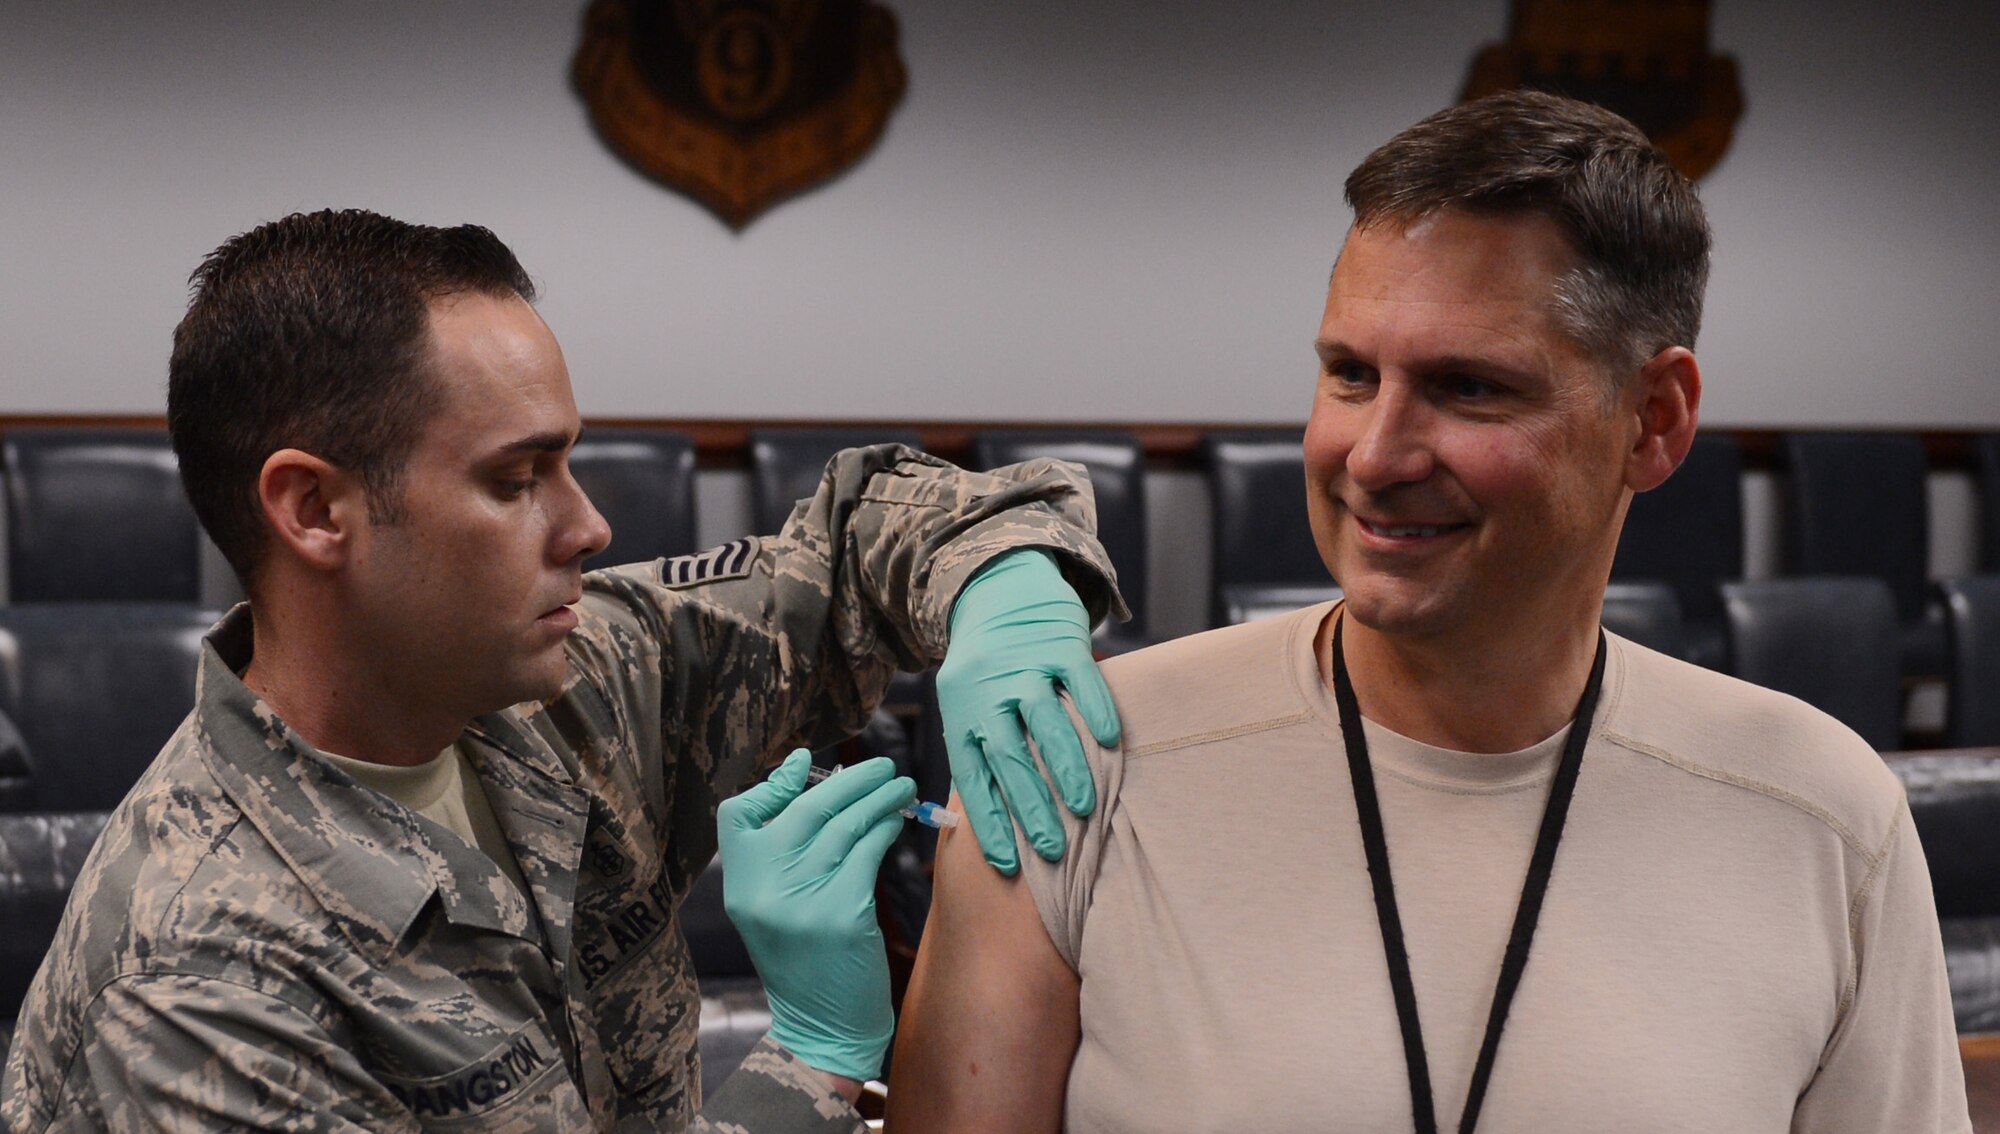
(1649, 60)
(739, 103)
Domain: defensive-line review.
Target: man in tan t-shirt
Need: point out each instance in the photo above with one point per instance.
(1443, 855)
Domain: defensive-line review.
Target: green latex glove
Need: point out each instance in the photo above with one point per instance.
(1018, 635)
(798, 879)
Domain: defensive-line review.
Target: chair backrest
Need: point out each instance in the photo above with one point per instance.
(1986, 470)
(17, 767)
(97, 688)
(642, 481)
(1688, 532)
(1646, 611)
(97, 515)
(1117, 467)
(1955, 805)
(1972, 660)
(786, 464)
(1856, 505)
(40, 857)
(1831, 642)
(1257, 491)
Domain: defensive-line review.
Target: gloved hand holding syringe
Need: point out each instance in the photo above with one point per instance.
(934, 815)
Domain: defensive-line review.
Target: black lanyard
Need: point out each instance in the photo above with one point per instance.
(1525, 916)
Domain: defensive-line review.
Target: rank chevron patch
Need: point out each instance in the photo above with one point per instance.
(732, 560)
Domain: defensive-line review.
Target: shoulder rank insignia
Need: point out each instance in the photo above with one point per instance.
(732, 560)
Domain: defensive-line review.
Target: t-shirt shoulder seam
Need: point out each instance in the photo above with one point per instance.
(1870, 855)
(1210, 736)
(1857, 905)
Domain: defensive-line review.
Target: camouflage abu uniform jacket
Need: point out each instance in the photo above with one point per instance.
(258, 941)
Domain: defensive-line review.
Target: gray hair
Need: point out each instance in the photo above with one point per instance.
(1640, 234)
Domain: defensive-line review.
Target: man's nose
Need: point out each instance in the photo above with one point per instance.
(1394, 446)
(583, 531)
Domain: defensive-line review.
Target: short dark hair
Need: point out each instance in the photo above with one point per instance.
(1639, 232)
(310, 332)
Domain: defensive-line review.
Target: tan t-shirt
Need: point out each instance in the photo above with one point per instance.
(446, 791)
(1738, 936)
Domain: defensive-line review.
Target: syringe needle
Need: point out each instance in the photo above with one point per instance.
(933, 815)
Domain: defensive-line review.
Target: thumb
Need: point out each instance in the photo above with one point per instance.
(751, 809)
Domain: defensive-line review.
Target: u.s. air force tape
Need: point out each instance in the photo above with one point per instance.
(732, 560)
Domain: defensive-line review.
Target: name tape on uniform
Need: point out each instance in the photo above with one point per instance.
(476, 1088)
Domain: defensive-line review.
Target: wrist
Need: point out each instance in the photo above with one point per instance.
(846, 1088)
(846, 1056)
(1019, 567)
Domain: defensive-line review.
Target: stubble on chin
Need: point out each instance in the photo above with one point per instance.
(1400, 608)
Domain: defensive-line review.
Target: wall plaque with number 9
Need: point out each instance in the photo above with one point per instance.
(740, 103)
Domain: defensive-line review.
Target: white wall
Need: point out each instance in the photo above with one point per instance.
(1081, 211)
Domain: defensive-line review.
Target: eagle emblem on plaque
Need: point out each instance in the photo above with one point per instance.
(740, 103)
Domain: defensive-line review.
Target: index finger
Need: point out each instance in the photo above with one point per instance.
(751, 809)
(821, 802)
(1092, 697)
(979, 792)
(1061, 750)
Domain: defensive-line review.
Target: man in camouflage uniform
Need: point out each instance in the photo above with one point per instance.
(262, 942)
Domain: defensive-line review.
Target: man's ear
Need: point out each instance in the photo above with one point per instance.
(1666, 396)
(313, 506)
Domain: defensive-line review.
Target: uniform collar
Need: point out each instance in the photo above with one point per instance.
(540, 809)
(372, 863)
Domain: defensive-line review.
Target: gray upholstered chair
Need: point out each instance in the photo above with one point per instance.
(1831, 642)
(1263, 550)
(1688, 533)
(97, 515)
(1117, 467)
(96, 689)
(1856, 504)
(1971, 607)
(642, 482)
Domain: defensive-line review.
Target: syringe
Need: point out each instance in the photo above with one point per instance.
(929, 814)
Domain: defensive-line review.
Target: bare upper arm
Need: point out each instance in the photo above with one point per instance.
(989, 1024)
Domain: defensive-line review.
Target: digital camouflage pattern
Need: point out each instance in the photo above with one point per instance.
(258, 941)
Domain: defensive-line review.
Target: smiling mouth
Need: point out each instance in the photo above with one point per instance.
(1408, 531)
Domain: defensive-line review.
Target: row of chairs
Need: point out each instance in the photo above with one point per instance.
(69, 491)
(97, 514)
(1835, 641)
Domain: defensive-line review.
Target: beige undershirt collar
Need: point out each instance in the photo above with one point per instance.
(446, 791)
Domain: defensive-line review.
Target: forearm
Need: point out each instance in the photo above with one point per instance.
(815, 619)
(913, 530)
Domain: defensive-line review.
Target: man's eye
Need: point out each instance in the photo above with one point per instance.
(1349, 373)
(512, 488)
(1465, 386)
